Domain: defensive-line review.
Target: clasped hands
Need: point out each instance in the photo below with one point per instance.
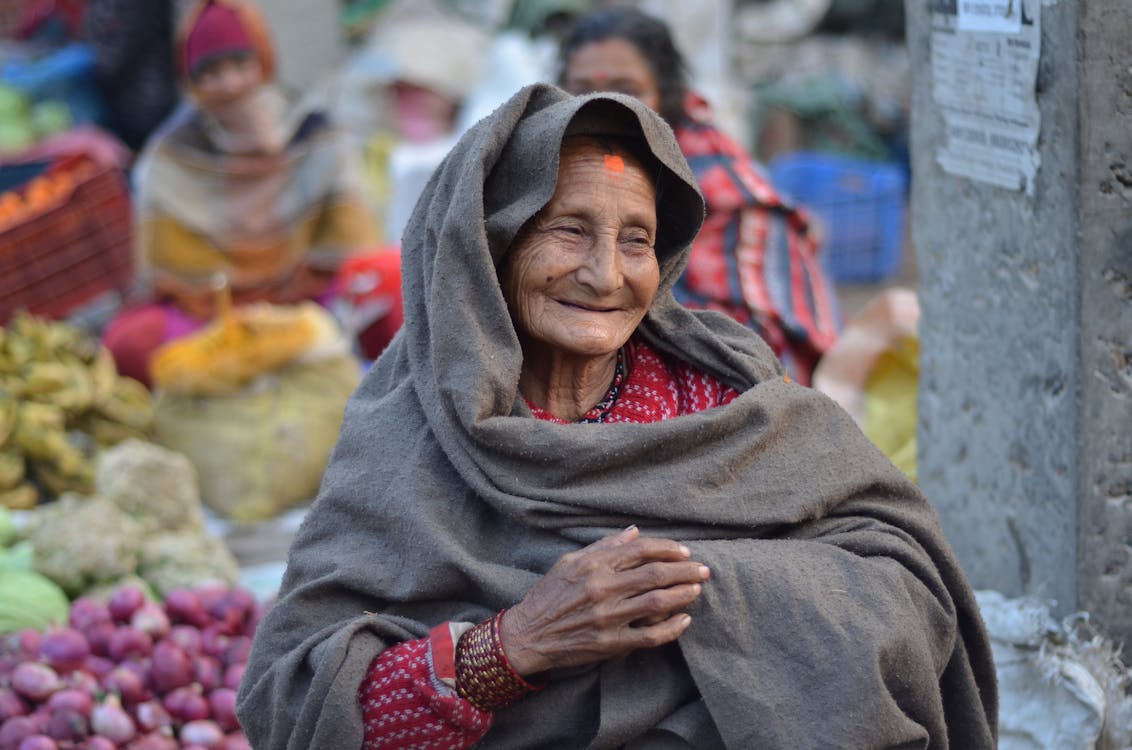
(619, 594)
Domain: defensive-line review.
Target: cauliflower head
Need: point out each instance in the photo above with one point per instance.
(79, 542)
(157, 487)
(186, 559)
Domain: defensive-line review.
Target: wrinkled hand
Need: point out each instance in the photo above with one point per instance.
(619, 594)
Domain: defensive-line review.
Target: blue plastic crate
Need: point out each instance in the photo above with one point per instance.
(861, 203)
(65, 74)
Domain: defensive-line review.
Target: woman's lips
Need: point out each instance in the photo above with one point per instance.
(587, 308)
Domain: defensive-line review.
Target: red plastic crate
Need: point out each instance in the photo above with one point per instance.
(72, 249)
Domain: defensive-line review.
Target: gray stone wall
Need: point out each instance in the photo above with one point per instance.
(1104, 565)
(998, 338)
(1026, 382)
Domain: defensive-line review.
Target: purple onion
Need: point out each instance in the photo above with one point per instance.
(154, 741)
(152, 715)
(222, 701)
(67, 724)
(203, 732)
(72, 699)
(127, 642)
(150, 618)
(16, 729)
(26, 641)
(64, 649)
(11, 704)
(35, 681)
(95, 742)
(83, 681)
(187, 637)
(184, 607)
(237, 650)
(208, 672)
(187, 703)
(213, 641)
(236, 741)
(228, 616)
(126, 684)
(124, 602)
(111, 721)
(87, 612)
(98, 636)
(170, 668)
(210, 595)
(38, 742)
(233, 675)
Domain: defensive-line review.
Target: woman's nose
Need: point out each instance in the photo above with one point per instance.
(602, 268)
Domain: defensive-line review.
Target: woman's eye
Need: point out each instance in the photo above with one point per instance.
(637, 245)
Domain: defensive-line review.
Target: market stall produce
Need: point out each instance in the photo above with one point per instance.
(255, 401)
(61, 403)
(145, 525)
(130, 673)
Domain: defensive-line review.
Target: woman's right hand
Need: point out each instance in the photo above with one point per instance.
(619, 594)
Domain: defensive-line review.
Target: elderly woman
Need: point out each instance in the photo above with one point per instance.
(565, 511)
(757, 256)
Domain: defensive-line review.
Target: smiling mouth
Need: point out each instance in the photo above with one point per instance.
(588, 308)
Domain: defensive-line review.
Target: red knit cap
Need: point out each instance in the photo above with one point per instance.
(217, 31)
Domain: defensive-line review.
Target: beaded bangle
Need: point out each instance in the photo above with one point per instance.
(484, 676)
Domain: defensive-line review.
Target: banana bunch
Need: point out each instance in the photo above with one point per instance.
(61, 401)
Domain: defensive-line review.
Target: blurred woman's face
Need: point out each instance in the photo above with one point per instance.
(583, 271)
(612, 65)
(227, 80)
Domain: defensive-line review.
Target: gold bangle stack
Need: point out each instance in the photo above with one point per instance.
(484, 676)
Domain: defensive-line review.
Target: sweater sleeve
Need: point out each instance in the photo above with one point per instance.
(406, 703)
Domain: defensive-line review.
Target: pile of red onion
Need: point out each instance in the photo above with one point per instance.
(131, 674)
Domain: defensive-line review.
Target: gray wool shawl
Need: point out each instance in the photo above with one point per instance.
(836, 615)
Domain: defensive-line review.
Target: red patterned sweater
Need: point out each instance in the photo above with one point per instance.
(408, 696)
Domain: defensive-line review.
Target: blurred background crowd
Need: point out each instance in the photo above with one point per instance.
(214, 189)
(104, 102)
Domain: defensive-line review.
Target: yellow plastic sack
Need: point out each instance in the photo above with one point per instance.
(872, 370)
(241, 344)
(890, 403)
(262, 450)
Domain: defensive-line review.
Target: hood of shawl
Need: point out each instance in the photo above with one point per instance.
(514, 191)
(458, 347)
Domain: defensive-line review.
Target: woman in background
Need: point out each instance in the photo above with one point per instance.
(757, 257)
(248, 185)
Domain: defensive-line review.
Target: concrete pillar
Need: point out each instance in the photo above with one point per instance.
(1025, 401)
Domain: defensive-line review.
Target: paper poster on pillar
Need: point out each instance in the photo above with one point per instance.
(985, 57)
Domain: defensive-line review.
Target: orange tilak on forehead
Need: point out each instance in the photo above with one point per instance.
(614, 163)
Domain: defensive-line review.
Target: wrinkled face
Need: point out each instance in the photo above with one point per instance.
(583, 272)
(227, 79)
(612, 65)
